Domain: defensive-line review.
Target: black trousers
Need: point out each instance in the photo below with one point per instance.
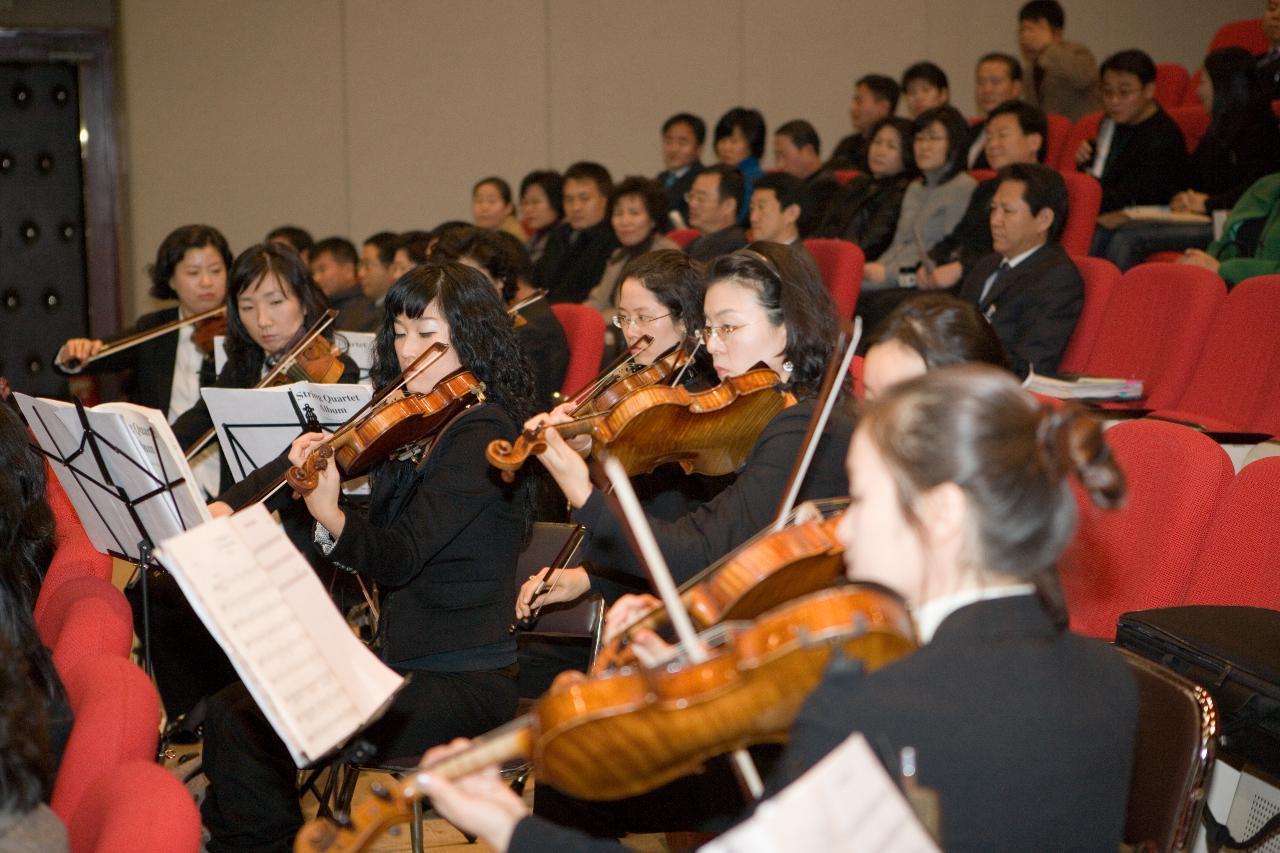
(252, 802)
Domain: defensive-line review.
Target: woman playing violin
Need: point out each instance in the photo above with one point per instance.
(191, 267)
(440, 538)
(1025, 731)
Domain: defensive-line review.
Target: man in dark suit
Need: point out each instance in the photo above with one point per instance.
(797, 151)
(1028, 289)
(333, 266)
(579, 247)
(713, 210)
(875, 96)
(682, 137)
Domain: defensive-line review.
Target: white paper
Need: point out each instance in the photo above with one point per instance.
(1085, 387)
(141, 456)
(314, 680)
(359, 346)
(255, 425)
(845, 802)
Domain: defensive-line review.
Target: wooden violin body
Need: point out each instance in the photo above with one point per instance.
(707, 432)
(652, 374)
(628, 732)
(208, 329)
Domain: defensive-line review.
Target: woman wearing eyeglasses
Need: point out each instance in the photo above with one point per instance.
(637, 209)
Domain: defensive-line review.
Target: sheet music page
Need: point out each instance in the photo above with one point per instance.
(359, 347)
(255, 425)
(315, 682)
(845, 802)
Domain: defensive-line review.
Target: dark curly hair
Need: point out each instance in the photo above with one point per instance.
(175, 247)
(481, 331)
(26, 768)
(499, 258)
(789, 288)
(244, 356)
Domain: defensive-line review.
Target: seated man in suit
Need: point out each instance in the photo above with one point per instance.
(682, 138)
(778, 205)
(997, 78)
(580, 246)
(875, 97)
(333, 266)
(1028, 289)
(713, 210)
(797, 152)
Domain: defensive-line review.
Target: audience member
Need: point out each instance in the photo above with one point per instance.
(1269, 62)
(1241, 145)
(292, 237)
(777, 206)
(682, 137)
(333, 266)
(875, 98)
(865, 211)
(932, 204)
(739, 143)
(797, 150)
(1028, 288)
(637, 209)
(377, 256)
(541, 208)
(713, 210)
(925, 86)
(492, 207)
(997, 78)
(580, 246)
(1250, 241)
(1139, 155)
(1060, 74)
(411, 250)
(446, 230)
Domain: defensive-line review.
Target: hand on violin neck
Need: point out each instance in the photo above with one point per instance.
(561, 414)
(650, 649)
(625, 611)
(480, 803)
(543, 588)
(568, 468)
(303, 446)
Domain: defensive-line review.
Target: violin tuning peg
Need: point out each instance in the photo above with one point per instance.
(380, 791)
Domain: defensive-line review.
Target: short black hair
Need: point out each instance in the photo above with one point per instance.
(552, 184)
(343, 251)
(385, 242)
(697, 125)
(928, 73)
(486, 249)
(904, 128)
(174, 248)
(957, 128)
(1030, 118)
(730, 186)
(801, 133)
(586, 170)
(942, 330)
(298, 238)
(788, 189)
(648, 190)
(1043, 187)
(675, 279)
(415, 244)
(1049, 11)
(503, 188)
(1133, 61)
(1014, 66)
(750, 122)
(883, 87)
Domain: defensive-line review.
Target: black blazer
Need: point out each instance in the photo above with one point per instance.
(714, 529)
(850, 153)
(542, 339)
(1032, 307)
(1025, 731)
(970, 240)
(676, 192)
(865, 211)
(708, 247)
(573, 261)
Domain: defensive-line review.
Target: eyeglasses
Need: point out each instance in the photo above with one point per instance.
(710, 333)
(622, 321)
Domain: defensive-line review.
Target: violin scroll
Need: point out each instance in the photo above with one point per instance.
(304, 479)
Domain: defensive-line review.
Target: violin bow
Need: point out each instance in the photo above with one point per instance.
(553, 571)
(817, 423)
(515, 307)
(642, 536)
(589, 391)
(142, 337)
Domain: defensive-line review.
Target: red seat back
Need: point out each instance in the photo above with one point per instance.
(138, 807)
(1237, 564)
(1100, 278)
(1246, 33)
(1059, 131)
(1142, 555)
(981, 175)
(1154, 328)
(1085, 128)
(86, 616)
(117, 720)
(1235, 376)
(1193, 122)
(1171, 84)
(1084, 198)
(840, 263)
(584, 333)
(682, 237)
(844, 176)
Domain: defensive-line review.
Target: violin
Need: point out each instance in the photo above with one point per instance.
(630, 731)
(204, 317)
(208, 329)
(669, 364)
(707, 432)
(513, 310)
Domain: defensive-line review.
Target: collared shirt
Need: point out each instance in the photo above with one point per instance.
(187, 361)
(933, 613)
(1006, 264)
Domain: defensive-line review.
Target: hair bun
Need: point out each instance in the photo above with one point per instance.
(1071, 442)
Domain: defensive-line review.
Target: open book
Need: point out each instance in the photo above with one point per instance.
(1162, 213)
(260, 599)
(129, 480)
(1084, 387)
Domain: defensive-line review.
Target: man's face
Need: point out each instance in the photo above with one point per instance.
(1125, 98)
(769, 221)
(1034, 36)
(993, 85)
(332, 276)
(679, 146)
(866, 109)
(1014, 229)
(375, 276)
(789, 158)
(705, 206)
(584, 204)
(1006, 143)
(922, 95)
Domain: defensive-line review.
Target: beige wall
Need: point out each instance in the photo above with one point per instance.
(350, 116)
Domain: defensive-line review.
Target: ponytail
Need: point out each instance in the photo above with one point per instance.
(1070, 441)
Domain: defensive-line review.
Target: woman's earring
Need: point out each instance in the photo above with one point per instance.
(788, 366)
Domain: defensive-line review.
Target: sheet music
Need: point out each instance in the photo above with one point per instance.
(315, 682)
(845, 802)
(255, 425)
